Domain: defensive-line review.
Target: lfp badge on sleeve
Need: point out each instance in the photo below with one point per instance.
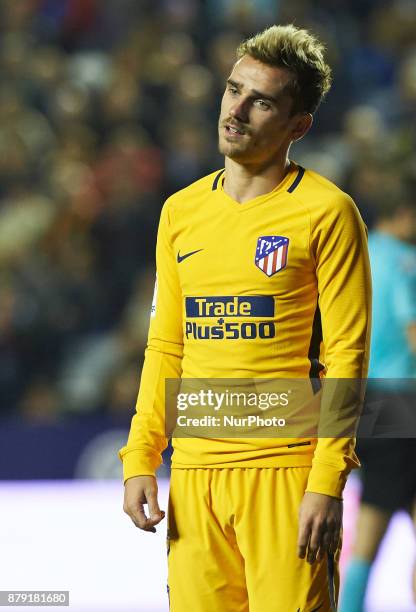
(271, 254)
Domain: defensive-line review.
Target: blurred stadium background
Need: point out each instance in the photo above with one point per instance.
(107, 107)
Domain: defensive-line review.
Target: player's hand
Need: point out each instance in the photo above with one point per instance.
(320, 524)
(138, 491)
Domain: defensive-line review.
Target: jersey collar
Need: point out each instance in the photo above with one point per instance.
(289, 183)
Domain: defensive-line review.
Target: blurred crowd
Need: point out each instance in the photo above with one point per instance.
(107, 107)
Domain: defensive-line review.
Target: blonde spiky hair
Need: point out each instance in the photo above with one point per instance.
(301, 54)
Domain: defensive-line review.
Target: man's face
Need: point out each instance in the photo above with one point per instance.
(255, 122)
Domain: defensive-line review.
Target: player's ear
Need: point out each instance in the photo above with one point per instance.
(301, 125)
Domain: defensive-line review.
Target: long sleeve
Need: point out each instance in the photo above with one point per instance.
(163, 357)
(339, 246)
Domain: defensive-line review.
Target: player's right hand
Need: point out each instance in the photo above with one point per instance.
(138, 491)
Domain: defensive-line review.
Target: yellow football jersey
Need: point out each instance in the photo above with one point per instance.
(251, 291)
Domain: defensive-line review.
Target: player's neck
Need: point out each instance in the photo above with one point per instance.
(246, 182)
(394, 228)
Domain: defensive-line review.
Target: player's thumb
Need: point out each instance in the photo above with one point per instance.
(155, 512)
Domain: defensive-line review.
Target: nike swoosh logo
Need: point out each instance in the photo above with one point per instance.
(182, 257)
(314, 610)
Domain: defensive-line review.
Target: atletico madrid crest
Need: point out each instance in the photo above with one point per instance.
(271, 254)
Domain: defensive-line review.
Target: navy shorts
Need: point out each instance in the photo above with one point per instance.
(389, 463)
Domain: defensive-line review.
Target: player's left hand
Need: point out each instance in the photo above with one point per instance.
(320, 524)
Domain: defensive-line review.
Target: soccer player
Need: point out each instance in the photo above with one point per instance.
(389, 463)
(254, 523)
